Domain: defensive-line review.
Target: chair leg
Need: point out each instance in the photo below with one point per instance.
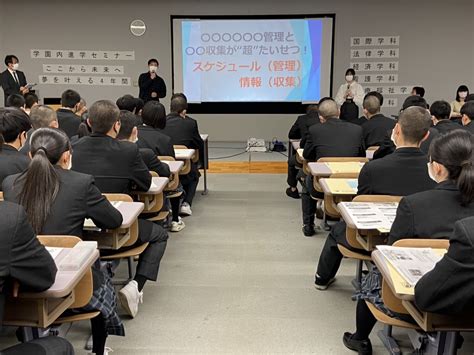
(387, 339)
(130, 271)
(356, 282)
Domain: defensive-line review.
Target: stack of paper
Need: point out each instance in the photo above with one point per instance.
(345, 167)
(371, 215)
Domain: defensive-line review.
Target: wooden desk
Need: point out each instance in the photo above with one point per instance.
(339, 187)
(295, 143)
(175, 166)
(154, 195)
(41, 309)
(322, 170)
(115, 238)
(184, 154)
(175, 169)
(370, 154)
(205, 138)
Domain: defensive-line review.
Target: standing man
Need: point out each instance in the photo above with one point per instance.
(152, 86)
(12, 80)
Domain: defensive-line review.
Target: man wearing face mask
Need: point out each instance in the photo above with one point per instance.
(152, 86)
(12, 80)
(68, 120)
(350, 96)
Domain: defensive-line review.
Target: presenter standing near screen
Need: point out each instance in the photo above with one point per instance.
(12, 80)
(152, 86)
(349, 96)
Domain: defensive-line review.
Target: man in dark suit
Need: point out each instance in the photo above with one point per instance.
(13, 127)
(12, 80)
(299, 130)
(440, 113)
(378, 125)
(332, 138)
(402, 173)
(68, 120)
(117, 168)
(467, 112)
(152, 86)
(183, 131)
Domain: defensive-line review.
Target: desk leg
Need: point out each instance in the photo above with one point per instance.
(206, 165)
(443, 344)
(390, 343)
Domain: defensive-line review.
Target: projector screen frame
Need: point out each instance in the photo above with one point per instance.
(251, 107)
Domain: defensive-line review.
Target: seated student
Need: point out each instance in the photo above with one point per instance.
(427, 214)
(401, 173)
(149, 135)
(461, 94)
(377, 126)
(68, 120)
(120, 168)
(16, 101)
(363, 119)
(388, 147)
(299, 130)
(13, 127)
(185, 132)
(467, 112)
(131, 104)
(449, 287)
(129, 132)
(332, 138)
(57, 201)
(440, 112)
(41, 116)
(31, 100)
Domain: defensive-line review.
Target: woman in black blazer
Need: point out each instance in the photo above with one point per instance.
(428, 214)
(57, 201)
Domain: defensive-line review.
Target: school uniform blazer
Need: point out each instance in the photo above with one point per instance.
(358, 121)
(183, 132)
(153, 163)
(376, 128)
(300, 128)
(151, 138)
(449, 287)
(445, 126)
(116, 165)
(402, 173)
(12, 161)
(68, 121)
(334, 138)
(430, 214)
(469, 127)
(78, 198)
(9, 85)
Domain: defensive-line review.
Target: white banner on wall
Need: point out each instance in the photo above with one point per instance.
(84, 80)
(374, 66)
(390, 102)
(390, 90)
(83, 69)
(73, 54)
(377, 78)
(375, 41)
(375, 53)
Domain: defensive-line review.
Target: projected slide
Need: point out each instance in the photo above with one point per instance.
(274, 60)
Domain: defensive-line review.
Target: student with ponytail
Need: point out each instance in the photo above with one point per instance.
(57, 201)
(428, 214)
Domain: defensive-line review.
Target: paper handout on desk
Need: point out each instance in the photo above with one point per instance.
(371, 215)
(342, 186)
(408, 265)
(345, 167)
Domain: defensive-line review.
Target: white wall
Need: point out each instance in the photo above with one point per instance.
(436, 42)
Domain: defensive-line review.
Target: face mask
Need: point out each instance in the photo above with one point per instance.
(135, 140)
(392, 137)
(16, 66)
(349, 78)
(153, 68)
(430, 173)
(463, 94)
(69, 166)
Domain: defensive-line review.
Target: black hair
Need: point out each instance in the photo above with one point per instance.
(127, 122)
(454, 150)
(350, 71)
(377, 95)
(154, 115)
(414, 101)
(103, 114)
(30, 100)
(461, 88)
(9, 59)
(70, 98)
(312, 110)
(40, 182)
(178, 104)
(153, 60)
(15, 100)
(469, 97)
(441, 110)
(414, 123)
(12, 123)
(468, 109)
(419, 90)
(84, 130)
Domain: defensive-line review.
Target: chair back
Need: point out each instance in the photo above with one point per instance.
(154, 174)
(165, 158)
(134, 227)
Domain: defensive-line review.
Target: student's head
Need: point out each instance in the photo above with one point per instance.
(414, 100)
(153, 65)
(154, 115)
(418, 91)
(180, 94)
(451, 158)
(42, 116)
(328, 109)
(104, 118)
(371, 106)
(376, 94)
(71, 99)
(128, 103)
(350, 74)
(461, 93)
(40, 182)
(312, 110)
(469, 97)
(15, 100)
(128, 126)
(12, 62)
(440, 110)
(467, 112)
(31, 100)
(412, 127)
(179, 105)
(14, 124)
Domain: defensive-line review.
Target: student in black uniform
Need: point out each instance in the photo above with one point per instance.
(440, 112)
(401, 173)
(332, 138)
(16, 101)
(377, 126)
(467, 112)
(363, 119)
(13, 127)
(120, 168)
(149, 135)
(129, 132)
(131, 104)
(68, 120)
(299, 130)
(425, 214)
(57, 201)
